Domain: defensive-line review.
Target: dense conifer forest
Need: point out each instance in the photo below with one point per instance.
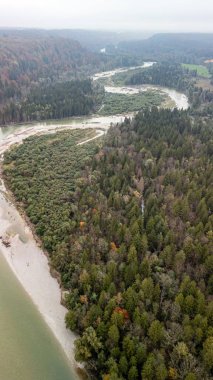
(32, 82)
(172, 47)
(42, 59)
(55, 101)
(162, 74)
(130, 231)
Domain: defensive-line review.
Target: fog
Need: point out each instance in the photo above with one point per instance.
(151, 15)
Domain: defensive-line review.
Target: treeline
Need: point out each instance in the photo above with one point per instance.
(179, 78)
(210, 68)
(201, 100)
(163, 74)
(46, 60)
(171, 47)
(55, 101)
(132, 241)
(27, 59)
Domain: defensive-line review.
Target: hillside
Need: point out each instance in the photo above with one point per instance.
(29, 59)
(181, 47)
(33, 62)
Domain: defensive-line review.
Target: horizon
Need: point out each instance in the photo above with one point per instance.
(99, 30)
(130, 16)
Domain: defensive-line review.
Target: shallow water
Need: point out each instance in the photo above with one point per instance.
(108, 74)
(28, 350)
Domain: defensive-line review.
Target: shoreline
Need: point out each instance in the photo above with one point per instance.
(31, 263)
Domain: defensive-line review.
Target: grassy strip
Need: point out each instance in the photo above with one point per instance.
(202, 71)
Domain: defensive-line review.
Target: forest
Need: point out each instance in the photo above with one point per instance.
(43, 58)
(49, 61)
(163, 74)
(44, 64)
(128, 225)
(175, 76)
(55, 101)
(193, 48)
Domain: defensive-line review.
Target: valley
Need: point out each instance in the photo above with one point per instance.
(106, 221)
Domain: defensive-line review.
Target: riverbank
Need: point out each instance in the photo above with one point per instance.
(22, 250)
(30, 265)
(175, 98)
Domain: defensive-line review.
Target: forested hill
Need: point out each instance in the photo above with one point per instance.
(132, 238)
(181, 47)
(35, 60)
(30, 59)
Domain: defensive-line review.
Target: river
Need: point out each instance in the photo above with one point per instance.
(28, 350)
(180, 100)
(35, 344)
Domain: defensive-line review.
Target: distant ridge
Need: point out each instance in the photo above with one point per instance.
(183, 47)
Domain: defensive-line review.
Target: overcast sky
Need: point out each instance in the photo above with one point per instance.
(145, 15)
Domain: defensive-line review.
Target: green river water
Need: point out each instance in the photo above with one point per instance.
(28, 349)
